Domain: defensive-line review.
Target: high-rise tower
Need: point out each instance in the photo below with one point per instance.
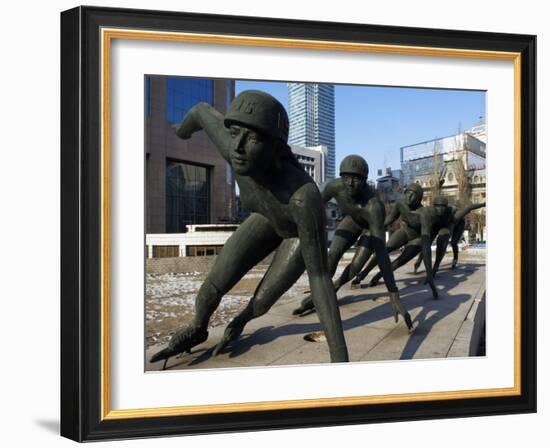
(311, 115)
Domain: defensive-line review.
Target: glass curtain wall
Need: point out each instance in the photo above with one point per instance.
(187, 196)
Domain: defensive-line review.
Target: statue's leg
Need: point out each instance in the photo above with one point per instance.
(396, 240)
(285, 269)
(457, 234)
(345, 235)
(362, 254)
(411, 251)
(454, 246)
(253, 240)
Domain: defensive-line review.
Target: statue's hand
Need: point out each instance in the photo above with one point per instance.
(189, 125)
(398, 308)
(302, 309)
(305, 306)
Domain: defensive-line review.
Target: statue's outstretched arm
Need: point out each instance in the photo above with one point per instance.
(462, 213)
(309, 215)
(374, 214)
(202, 116)
(442, 242)
(426, 250)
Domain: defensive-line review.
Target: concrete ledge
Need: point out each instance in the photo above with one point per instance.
(179, 265)
(183, 265)
(469, 336)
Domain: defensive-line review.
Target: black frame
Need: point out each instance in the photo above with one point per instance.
(81, 225)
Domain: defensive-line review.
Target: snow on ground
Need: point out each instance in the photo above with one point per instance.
(170, 300)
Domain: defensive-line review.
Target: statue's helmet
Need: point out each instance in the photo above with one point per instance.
(441, 201)
(417, 188)
(354, 164)
(260, 111)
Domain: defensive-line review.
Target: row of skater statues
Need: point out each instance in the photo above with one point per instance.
(288, 218)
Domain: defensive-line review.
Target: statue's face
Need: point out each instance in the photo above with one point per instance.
(354, 183)
(252, 152)
(411, 197)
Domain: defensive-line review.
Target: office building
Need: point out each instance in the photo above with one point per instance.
(187, 181)
(312, 119)
(312, 160)
(454, 167)
(389, 187)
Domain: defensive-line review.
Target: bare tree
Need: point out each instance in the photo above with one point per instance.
(438, 174)
(476, 222)
(464, 196)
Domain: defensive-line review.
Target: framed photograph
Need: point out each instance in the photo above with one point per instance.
(219, 171)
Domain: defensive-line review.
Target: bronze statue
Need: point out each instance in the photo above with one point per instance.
(363, 209)
(431, 221)
(287, 216)
(453, 231)
(407, 232)
(372, 225)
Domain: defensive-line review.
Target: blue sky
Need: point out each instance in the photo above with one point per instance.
(376, 121)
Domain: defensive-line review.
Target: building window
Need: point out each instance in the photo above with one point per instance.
(166, 251)
(202, 251)
(187, 196)
(183, 93)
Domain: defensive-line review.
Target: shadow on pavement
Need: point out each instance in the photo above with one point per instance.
(413, 293)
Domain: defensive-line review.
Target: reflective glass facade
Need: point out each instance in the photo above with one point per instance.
(183, 93)
(418, 160)
(187, 195)
(177, 169)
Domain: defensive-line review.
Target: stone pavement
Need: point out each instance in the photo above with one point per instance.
(449, 327)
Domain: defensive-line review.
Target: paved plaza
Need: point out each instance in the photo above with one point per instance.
(452, 326)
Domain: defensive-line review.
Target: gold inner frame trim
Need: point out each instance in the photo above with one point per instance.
(107, 35)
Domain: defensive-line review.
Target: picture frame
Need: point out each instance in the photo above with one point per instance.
(86, 37)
